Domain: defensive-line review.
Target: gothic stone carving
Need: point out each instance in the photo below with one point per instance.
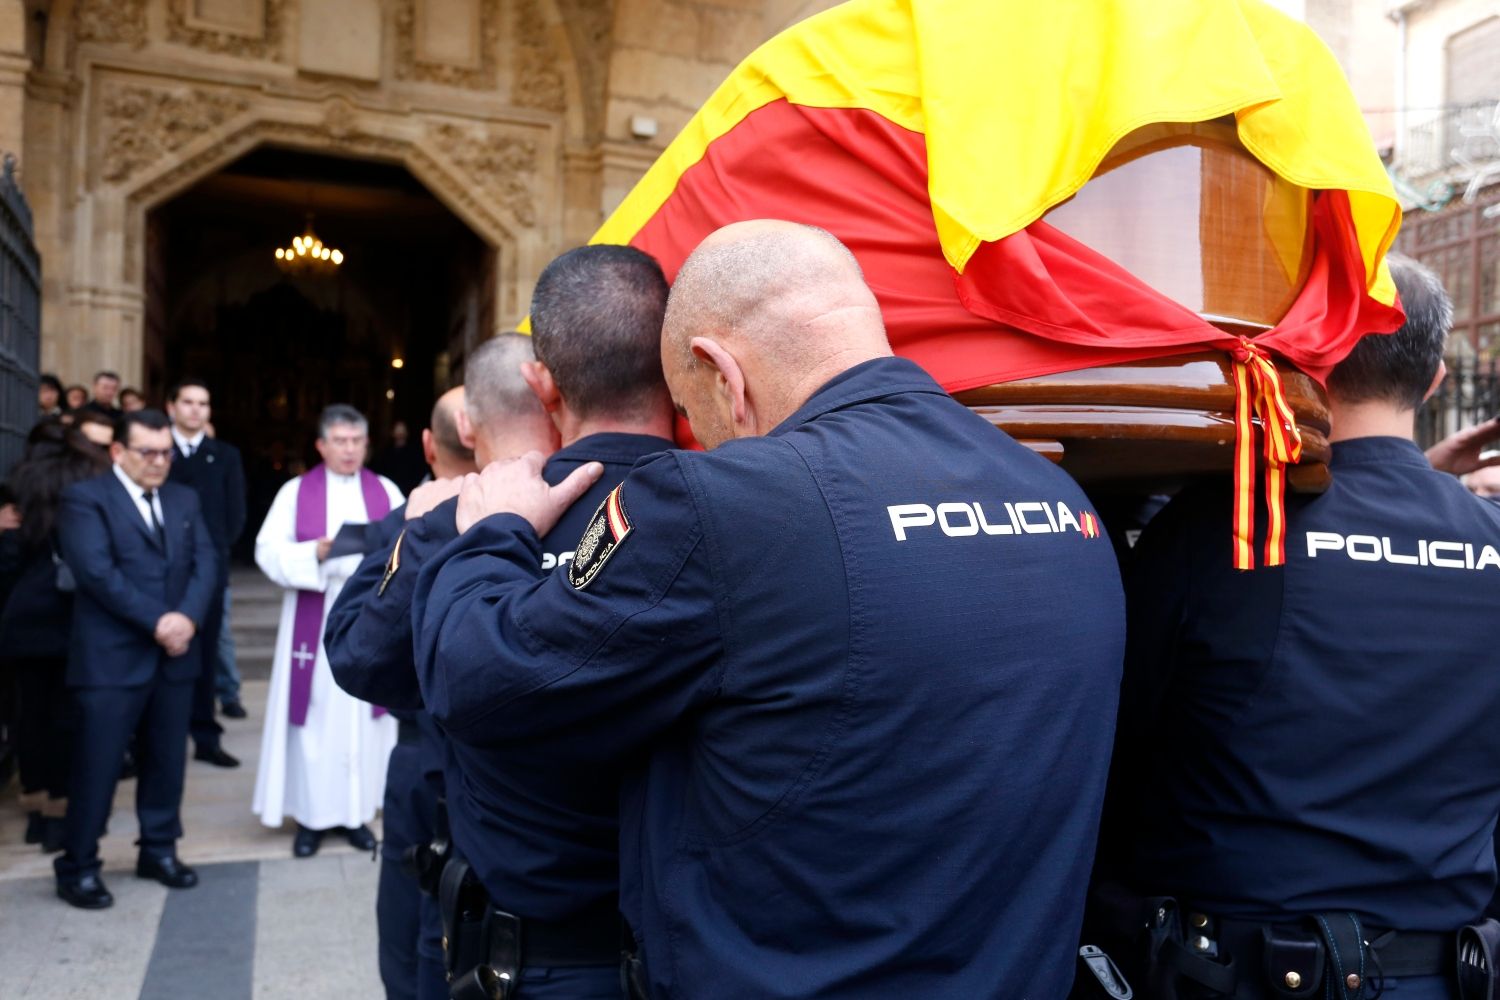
(500, 165)
(115, 21)
(267, 46)
(142, 124)
(590, 25)
(410, 67)
(538, 81)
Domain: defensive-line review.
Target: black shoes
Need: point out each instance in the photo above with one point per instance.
(360, 838)
(86, 892)
(46, 831)
(307, 842)
(167, 870)
(232, 709)
(217, 756)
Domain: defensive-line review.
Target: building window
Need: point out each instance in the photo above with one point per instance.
(1463, 247)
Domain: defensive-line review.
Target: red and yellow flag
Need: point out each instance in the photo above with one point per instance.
(932, 137)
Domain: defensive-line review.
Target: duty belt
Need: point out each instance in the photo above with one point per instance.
(1326, 955)
(1181, 951)
(1297, 960)
(485, 948)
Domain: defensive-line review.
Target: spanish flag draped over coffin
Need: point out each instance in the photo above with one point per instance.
(931, 136)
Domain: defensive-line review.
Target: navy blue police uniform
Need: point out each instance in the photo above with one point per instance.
(543, 845)
(1317, 738)
(862, 673)
(127, 576)
(369, 652)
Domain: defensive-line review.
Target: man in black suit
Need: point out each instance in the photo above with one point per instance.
(106, 388)
(145, 567)
(214, 471)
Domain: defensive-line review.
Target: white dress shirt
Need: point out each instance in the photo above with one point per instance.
(188, 445)
(139, 496)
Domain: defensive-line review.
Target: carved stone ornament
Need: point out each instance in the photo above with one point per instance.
(266, 46)
(115, 21)
(500, 165)
(538, 81)
(142, 125)
(410, 65)
(340, 120)
(590, 25)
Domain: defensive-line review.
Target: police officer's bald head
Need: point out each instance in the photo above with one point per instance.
(761, 314)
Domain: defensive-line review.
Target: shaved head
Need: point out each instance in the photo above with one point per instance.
(505, 416)
(444, 425)
(787, 304)
(764, 281)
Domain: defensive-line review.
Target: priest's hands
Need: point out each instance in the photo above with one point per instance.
(427, 496)
(325, 546)
(174, 632)
(517, 487)
(1459, 453)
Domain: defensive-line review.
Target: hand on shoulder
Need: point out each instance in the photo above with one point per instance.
(517, 487)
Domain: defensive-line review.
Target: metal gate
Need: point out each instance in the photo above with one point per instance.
(1469, 395)
(20, 318)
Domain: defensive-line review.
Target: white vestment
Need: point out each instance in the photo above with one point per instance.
(330, 771)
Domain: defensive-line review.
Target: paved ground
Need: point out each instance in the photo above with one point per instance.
(260, 924)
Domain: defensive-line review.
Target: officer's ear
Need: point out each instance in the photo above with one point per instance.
(465, 428)
(729, 378)
(429, 451)
(1437, 380)
(539, 378)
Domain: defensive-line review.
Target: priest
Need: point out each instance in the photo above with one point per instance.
(323, 753)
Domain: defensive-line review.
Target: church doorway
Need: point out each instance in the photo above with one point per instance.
(278, 342)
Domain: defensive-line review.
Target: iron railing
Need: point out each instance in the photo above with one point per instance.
(20, 317)
(1462, 138)
(1469, 395)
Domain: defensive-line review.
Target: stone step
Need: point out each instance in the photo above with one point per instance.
(254, 615)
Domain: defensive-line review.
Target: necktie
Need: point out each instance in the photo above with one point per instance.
(156, 525)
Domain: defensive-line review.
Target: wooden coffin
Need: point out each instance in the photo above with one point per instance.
(1185, 208)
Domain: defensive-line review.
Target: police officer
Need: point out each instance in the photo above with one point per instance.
(861, 657)
(541, 841)
(1307, 763)
(368, 639)
(360, 647)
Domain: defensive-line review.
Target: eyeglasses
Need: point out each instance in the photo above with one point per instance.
(154, 454)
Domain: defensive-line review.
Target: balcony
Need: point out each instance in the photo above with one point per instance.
(1459, 145)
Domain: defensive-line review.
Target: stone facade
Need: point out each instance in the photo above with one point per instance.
(516, 114)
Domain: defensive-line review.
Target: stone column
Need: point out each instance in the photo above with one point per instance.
(13, 66)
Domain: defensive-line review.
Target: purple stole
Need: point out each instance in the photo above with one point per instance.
(307, 625)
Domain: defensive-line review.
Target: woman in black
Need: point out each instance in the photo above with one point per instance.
(36, 619)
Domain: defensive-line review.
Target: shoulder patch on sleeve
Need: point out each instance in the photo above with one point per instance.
(607, 530)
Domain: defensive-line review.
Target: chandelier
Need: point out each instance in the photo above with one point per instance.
(308, 254)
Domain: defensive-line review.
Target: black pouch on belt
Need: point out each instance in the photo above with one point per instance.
(1293, 961)
(1478, 950)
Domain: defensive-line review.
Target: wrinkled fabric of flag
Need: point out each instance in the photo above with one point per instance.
(932, 136)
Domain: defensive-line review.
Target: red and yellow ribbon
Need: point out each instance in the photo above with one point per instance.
(1259, 393)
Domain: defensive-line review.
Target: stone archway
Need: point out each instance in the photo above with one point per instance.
(487, 174)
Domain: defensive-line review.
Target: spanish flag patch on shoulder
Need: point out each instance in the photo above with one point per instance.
(607, 529)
